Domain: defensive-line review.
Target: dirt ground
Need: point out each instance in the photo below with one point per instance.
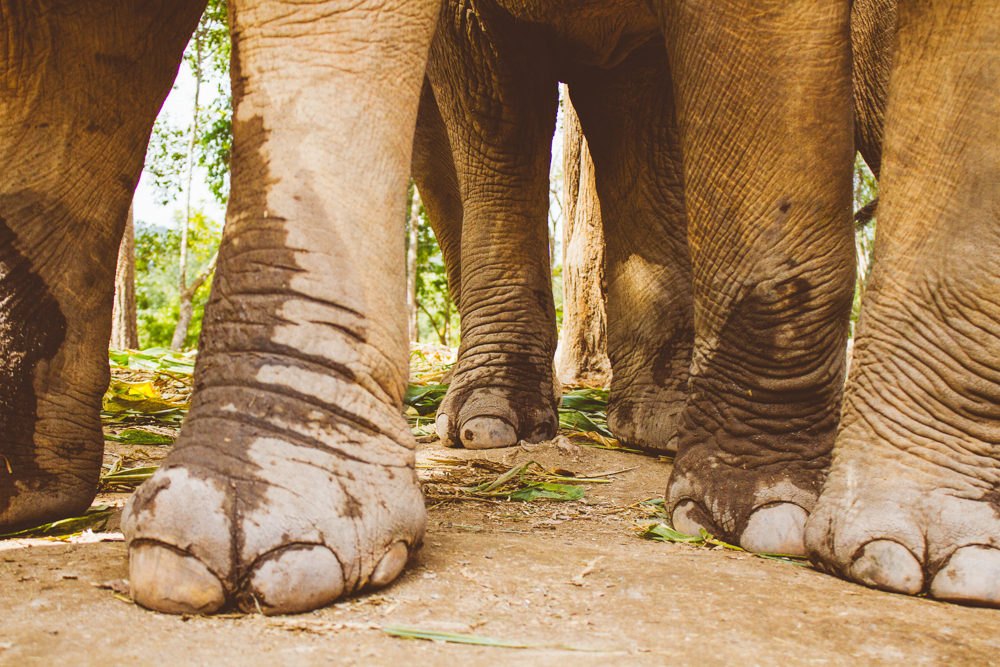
(573, 577)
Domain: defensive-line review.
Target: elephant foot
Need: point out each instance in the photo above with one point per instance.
(900, 527)
(763, 508)
(486, 410)
(277, 518)
(645, 419)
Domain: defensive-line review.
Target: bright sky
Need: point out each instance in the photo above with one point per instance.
(178, 107)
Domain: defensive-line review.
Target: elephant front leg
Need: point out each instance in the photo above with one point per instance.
(764, 109)
(912, 504)
(627, 114)
(500, 128)
(292, 482)
(76, 110)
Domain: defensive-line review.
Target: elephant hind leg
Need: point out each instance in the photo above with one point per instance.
(292, 482)
(627, 114)
(912, 503)
(500, 130)
(767, 191)
(75, 116)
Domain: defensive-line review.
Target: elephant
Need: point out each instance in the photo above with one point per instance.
(503, 408)
(292, 482)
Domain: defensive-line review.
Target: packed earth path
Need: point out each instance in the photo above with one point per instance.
(538, 582)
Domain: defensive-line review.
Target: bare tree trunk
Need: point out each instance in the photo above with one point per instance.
(187, 294)
(582, 356)
(124, 328)
(411, 266)
(447, 322)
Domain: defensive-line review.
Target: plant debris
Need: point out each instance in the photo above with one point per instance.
(96, 518)
(152, 386)
(663, 532)
(458, 479)
(403, 632)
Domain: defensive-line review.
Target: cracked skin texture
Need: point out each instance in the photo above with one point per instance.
(221, 524)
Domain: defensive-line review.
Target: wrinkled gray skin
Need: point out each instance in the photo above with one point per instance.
(292, 482)
(649, 388)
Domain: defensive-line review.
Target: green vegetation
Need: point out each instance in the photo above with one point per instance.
(157, 299)
(865, 192)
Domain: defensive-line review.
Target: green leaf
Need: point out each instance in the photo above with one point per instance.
(135, 436)
(586, 400)
(130, 476)
(96, 518)
(425, 399)
(664, 533)
(575, 420)
(548, 491)
(460, 638)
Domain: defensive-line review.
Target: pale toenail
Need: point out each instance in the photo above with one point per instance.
(165, 580)
(390, 566)
(296, 579)
(488, 433)
(441, 425)
(683, 519)
(776, 529)
(889, 566)
(972, 576)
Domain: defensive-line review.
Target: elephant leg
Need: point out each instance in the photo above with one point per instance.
(627, 114)
(292, 482)
(500, 130)
(433, 170)
(764, 111)
(873, 28)
(75, 116)
(912, 503)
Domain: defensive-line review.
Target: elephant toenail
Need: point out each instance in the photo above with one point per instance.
(390, 566)
(168, 581)
(777, 529)
(683, 518)
(295, 579)
(889, 566)
(971, 576)
(441, 424)
(488, 433)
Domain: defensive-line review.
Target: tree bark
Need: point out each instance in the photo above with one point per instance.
(411, 266)
(582, 356)
(124, 327)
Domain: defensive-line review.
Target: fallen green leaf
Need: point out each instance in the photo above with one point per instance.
(585, 400)
(664, 533)
(547, 491)
(460, 638)
(425, 399)
(96, 518)
(129, 476)
(134, 436)
(575, 420)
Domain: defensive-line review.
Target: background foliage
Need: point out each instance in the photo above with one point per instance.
(157, 301)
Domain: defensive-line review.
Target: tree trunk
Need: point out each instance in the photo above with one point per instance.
(187, 294)
(582, 356)
(124, 328)
(411, 266)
